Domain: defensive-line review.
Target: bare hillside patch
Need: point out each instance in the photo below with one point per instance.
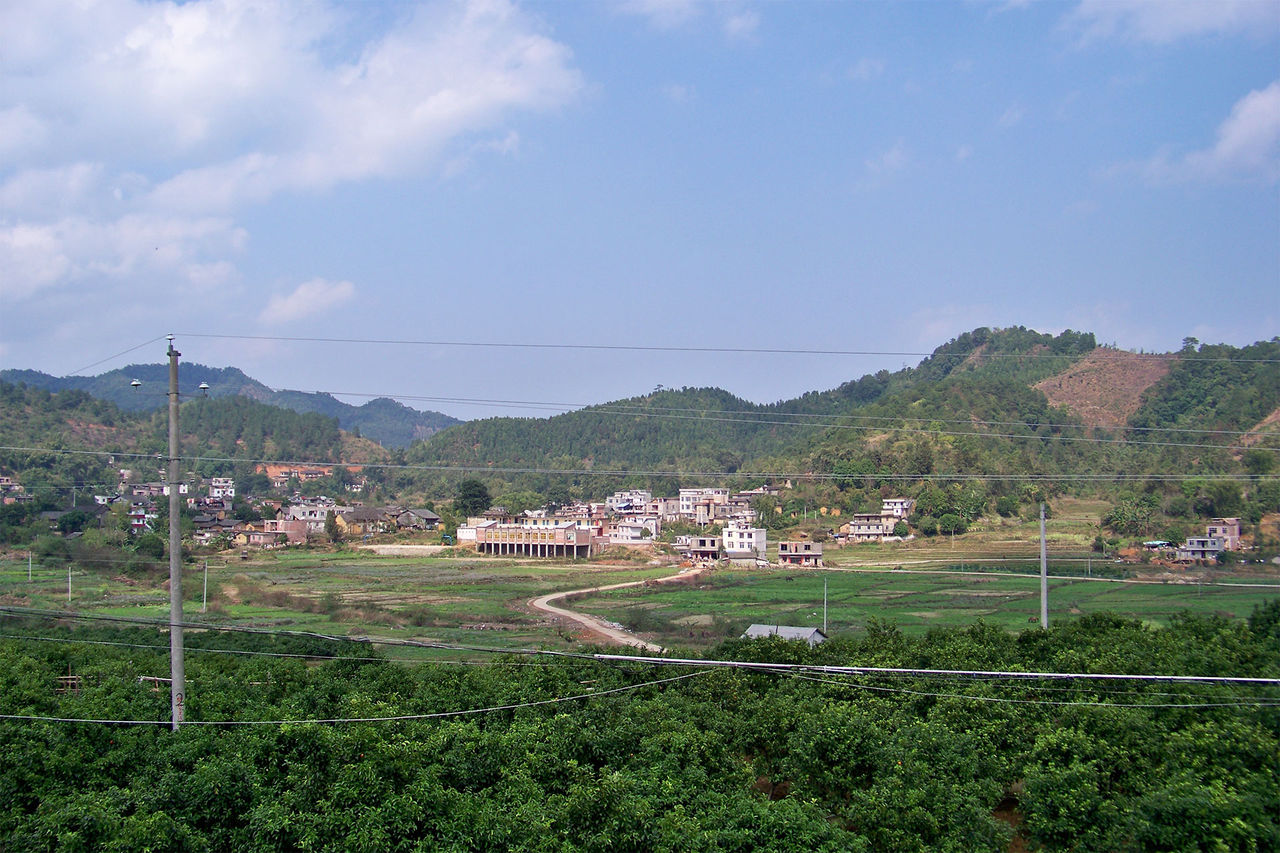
(1105, 387)
(1269, 425)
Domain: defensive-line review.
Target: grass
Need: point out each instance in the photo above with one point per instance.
(459, 597)
(728, 601)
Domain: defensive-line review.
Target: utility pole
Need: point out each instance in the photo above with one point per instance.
(68, 583)
(28, 567)
(824, 605)
(1044, 575)
(177, 684)
(204, 600)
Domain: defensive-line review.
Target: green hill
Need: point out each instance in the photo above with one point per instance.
(385, 421)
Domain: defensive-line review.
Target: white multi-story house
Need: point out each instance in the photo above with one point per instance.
(897, 508)
(743, 541)
(222, 487)
(1201, 548)
(697, 504)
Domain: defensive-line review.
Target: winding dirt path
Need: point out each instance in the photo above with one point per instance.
(597, 627)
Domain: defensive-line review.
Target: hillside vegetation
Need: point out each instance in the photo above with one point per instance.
(386, 421)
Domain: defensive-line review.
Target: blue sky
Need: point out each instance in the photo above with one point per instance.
(834, 176)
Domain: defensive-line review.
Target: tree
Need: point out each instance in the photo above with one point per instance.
(150, 545)
(1259, 462)
(331, 528)
(557, 495)
(472, 497)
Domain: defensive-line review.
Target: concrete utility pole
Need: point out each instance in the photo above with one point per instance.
(177, 687)
(1044, 575)
(824, 605)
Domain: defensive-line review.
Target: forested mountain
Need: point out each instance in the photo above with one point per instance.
(383, 420)
(976, 407)
(241, 430)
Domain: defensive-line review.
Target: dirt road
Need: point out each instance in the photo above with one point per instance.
(596, 626)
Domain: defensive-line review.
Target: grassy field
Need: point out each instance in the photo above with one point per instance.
(454, 599)
(459, 597)
(723, 603)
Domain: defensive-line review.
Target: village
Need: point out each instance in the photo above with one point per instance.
(632, 519)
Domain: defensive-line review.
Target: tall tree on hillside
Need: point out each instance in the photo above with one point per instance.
(472, 498)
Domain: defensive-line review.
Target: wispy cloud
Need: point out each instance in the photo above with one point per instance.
(735, 17)
(664, 14)
(889, 162)
(1164, 22)
(679, 93)
(1012, 116)
(742, 24)
(866, 68)
(1247, 146)
(307, 299)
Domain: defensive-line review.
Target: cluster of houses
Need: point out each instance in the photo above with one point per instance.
(280, 476)
(298, 522)
(12, 492)
(636, 517)
(626, 518)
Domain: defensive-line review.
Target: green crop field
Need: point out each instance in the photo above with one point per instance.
(461, 598)
(727, 601)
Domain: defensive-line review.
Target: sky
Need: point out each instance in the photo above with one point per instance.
(411, 183)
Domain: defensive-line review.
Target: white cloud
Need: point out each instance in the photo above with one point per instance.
(133, 131)
(20, 132)
(889, 162)
(1012, 116)
(307, 299)
(132, 253)
(741, 25)
(664, 14)
(866, 68)
(964, 152)
(678, 92)
(735, 18)
(1247, 146)
(1165, 22)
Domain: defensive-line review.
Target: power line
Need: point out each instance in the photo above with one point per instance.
(1098, 352)
(398, 718)
(1261, 702)
(597, 407)
(737, 475)
(835, 422)
(117, 355)
(258, 653)
(765, 666)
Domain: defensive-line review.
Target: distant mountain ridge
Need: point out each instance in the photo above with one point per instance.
(383, 420)
(1000, 402)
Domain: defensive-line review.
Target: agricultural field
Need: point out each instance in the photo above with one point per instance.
(445, 599)
(462, 598)
(722, 603)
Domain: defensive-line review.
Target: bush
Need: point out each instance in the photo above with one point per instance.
(1007, 506)
(150, 545)
(928, 525)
